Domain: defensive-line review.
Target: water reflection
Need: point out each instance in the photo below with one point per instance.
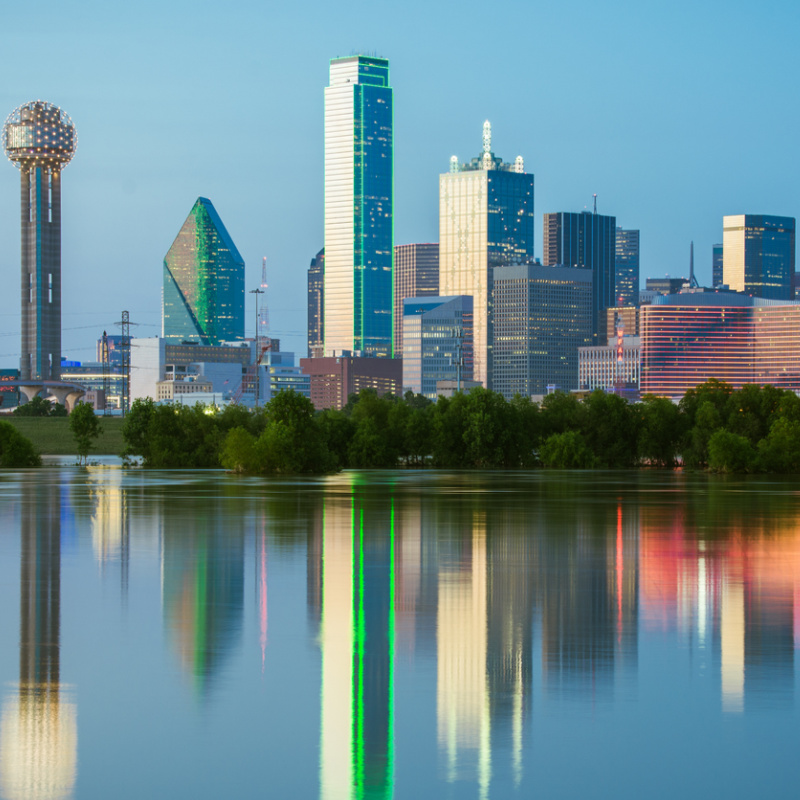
(357, 641)
(39, 730)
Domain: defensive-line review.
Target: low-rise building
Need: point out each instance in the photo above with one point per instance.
(334, 378)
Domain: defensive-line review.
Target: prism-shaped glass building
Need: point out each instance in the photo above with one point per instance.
(203, 295)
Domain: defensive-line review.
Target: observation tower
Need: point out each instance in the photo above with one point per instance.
(40, 139)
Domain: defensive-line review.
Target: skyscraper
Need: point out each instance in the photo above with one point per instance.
(203, 297)
(716, 266)
(758, 255)
(316, 305)
(485, 220)
(542, 315)
(358, 207)
(40, 139)
(626, 270)
(416, 274)
(587, 241)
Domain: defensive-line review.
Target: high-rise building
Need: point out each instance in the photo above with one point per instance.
(359, 192)
(485, 221)
(334, 378)
(666, 285)
(716, 266)
(437, 336)
(626, 268)
(587, 241)
(40, 139)
(316, 305)
(416, 274)
(203, 295)
(542, 315)
(689, 338)
(758, 255)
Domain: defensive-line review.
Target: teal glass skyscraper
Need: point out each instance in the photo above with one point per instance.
(359, 190)
(203, 299)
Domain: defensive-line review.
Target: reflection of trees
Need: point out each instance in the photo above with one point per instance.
(39, 731)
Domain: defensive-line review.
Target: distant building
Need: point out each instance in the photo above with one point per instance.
(542, 316)
(602, 367)
(628, 315)
(169, 389)
(759, 255)
(334, 378)
(665, 285)
(110, 350)
(586, 241)
(687, 339)
(416, 274)
(485, 220)
(203, 294)
(316, 305)
(717, 278)
(626, 268)
(9, 395)
(359, 191)
(94, 376)
(437, 336)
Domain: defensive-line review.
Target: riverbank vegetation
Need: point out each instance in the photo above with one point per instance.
(15, 449)
(754, 429)
(52, 436)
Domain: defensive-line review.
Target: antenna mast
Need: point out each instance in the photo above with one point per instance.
(594, 197)
(693, 284)
(263, 311)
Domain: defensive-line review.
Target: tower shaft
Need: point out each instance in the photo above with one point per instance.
(40, 357)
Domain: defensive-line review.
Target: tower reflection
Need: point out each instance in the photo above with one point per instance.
(39, 730)
(357, 641)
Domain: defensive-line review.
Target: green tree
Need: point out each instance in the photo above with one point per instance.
(337, 429)
(449, 423)
(374, 443)
(85, 426)
(611, 429)
(16, 450)
(660, 431)
(562, 411)
(490, 436)
(136, 428)
(39, 407)
(751, 410)
(730, 452)
(779, 451)
(238, 451)
(567, 450)
(707, 420)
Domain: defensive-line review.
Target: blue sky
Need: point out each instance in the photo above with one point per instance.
(673, 113)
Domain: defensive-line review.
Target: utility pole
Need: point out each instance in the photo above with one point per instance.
(125, 351)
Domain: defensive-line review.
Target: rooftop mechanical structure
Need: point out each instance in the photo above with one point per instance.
(40, 139)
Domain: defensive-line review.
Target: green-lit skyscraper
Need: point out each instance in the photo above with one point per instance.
(203, 297)
(358, 207)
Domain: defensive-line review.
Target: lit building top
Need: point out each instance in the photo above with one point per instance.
(39, 134)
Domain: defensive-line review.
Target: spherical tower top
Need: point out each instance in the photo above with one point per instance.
(39, 134)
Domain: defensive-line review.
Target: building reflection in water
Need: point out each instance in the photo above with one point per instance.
(110, 521)
(202, 567)
(39, 729)
(357, 633)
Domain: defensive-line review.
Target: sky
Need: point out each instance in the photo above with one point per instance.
(673, 113)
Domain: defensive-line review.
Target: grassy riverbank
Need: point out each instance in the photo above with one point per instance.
(51, 436)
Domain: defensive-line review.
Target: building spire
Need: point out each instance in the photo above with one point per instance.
(487, 145)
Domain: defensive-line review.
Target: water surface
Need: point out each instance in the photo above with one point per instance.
(397, 634)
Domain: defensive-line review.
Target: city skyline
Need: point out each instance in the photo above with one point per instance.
(662, 166)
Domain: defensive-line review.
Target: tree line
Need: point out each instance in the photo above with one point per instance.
(714, 427)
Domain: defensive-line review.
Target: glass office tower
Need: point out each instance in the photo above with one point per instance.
(716, 266)
(626, 270)
(40, 139)
(758, 255)
(587, 241)
(485, 221)
(203, 298)
(316, 305)
(416, 274)
(359, 191)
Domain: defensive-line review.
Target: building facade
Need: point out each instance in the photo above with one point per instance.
(416, 274)
(666, 285)
(316, 305)
(586, 241)
(203, 290)
(687, 339)
(607, 367)
(626, 268)
(40, 139)
(359, 190)
(758, 255)
(542, 315)
(438, 345)
(334, 378)
(717, 266)
(485, 221)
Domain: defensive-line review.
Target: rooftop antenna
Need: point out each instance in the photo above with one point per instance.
(594, 197)
(693, 284)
